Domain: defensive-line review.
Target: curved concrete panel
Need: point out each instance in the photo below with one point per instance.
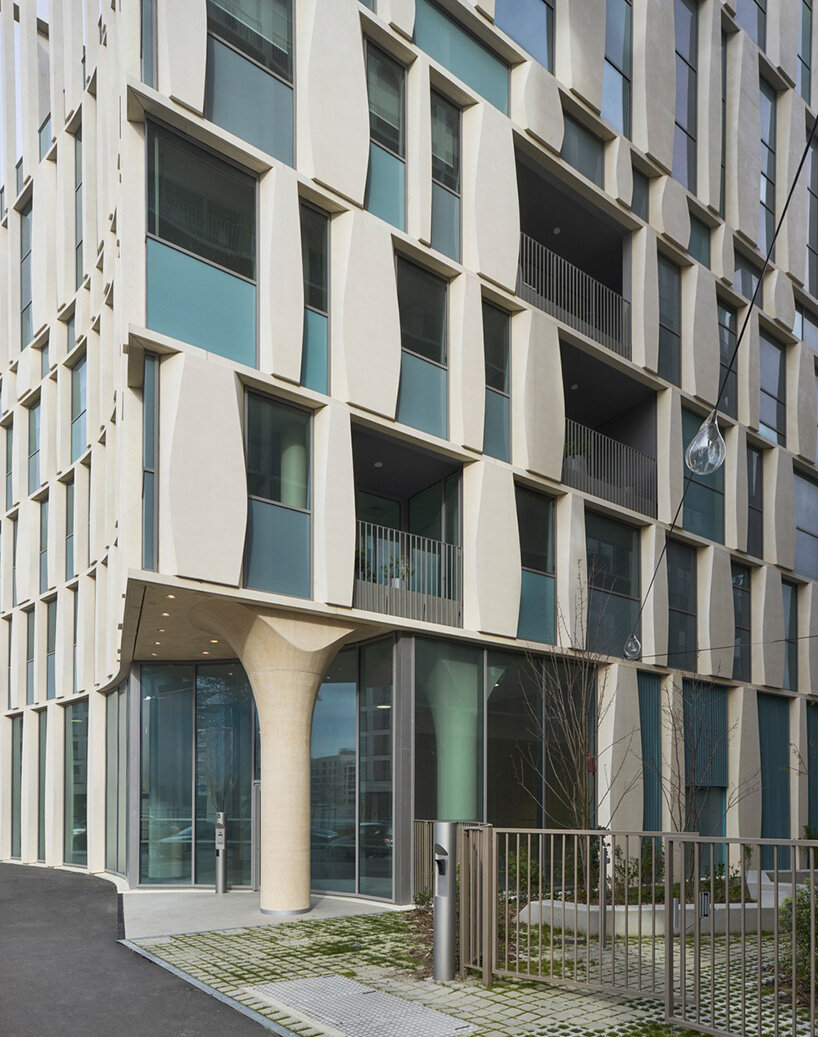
(619, 750)
(808, 645)
(580, 48)
(654, 614)
(767, 630)
(722, 253)
(281, 280)
(735, 487)
(779, 301)
(801, 413)
(791, 246)
(744, 818)
(670, 211)
(538, 422)
(748, 375)
(708, 136)
(364, 304)
(201, 521)
(715, 603)
(670, 465)
(333, 506)
(535, 104)
(400, 14)
(743, 149)
(645, 292)
(182, 52)
(419, 151)
(654, 82)
(467, 381)
(572, 571)
(700, 334)
(333, 110)
(779, 508)
(619, 170)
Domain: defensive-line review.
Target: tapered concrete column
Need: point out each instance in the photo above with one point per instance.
(286, 658)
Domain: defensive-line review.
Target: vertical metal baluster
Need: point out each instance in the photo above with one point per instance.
(775, 936)
(551, 895)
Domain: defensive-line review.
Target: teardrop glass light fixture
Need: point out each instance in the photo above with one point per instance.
(633, 647)
(707, 449)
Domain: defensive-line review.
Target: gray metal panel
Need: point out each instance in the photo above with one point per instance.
(402, 771)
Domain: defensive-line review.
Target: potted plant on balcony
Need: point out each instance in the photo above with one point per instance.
(397, 571)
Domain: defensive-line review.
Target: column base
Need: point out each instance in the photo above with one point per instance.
(284, 914)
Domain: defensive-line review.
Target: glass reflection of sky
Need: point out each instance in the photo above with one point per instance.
(333, 726)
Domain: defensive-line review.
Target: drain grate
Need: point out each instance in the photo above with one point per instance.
(359, 1011)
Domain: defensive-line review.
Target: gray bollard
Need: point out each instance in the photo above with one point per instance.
(445, 900)
(221, 852)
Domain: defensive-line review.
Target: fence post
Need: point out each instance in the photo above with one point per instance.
(489, 899)
(669, 933)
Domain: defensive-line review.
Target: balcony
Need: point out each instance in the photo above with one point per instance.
(562, 289)
(402, 574)
(604, 467)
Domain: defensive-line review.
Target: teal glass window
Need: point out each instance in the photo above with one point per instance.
(640, 198)
(79, 409)
(148, 41)
(755, 502)
(423, 394)
(385, 194)
(16, 785)
(34, 447)
(804, 71)
(752, 16)
(649, 687)
(43, 546)
(78, 226)
(42, 736)
(686, 28)
(31, 645)
(776, 765)
(746, 275)
(277, 556)
(766, 216)
(789, 593)
(699, 243)
(742, 616)
(76, 784)
(9, 437)
(496, 347)
(806, 526)
(728, 377)
(535, 520)
(617, 70)
(150, 461)
(670, 321)
(116, 780)
(70, 568)
(315, 261)
(26, 318)
(455, 48)
(515, 796)
(51, 649)
(582, 150)
(704, 501)
(682, 606)
(531, 24)
(248, 85)
(445, 176)
(201, 248)
(772, 421)
(612, 549)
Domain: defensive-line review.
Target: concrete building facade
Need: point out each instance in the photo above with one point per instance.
(348, 356)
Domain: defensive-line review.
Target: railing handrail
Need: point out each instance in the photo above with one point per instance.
(616, 471)
(625, 447)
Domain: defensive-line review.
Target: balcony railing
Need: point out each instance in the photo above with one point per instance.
(553, 284)
(601, 466)
(401, 574)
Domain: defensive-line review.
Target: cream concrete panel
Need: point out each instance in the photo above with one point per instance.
(8, 99)
(96, 783)
(654, 614)
(654, 79)
(54, 798)
(791, 246)
(87, 633)
(580, 48)
(281, 277)
(5, 788)
(748, 375)
(779, 508)
(131, 227)
(400, 14)
(64, 654)
(572, 571)
(181, 33)
(619, 170)
(767, 631)
(333, 110)
(779, 301)
(722, 254)
(467, 381)
(801, 410)
(808, 645)
(82, 488)
(645, 299)
(365, 341)
(202, 520)
(743, 142)
(715, 604)
(90, 185)
(28, 372)
(419, 151)
(28, 550)
(334, 506)
(73, 41)
(100, 625)
(669, 210)
(43, 259)
(735, 488)
(743, 768)
(28, 789)
(57, 68)
(491, 211)
(783, 31)
(700, 334)
(708, 136)
(64, 228)
(670, 464)
(535, 104)
(491, 549)
(537, 401)
(29, 82)
(619, 750)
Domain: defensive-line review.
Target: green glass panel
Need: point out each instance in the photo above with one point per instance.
(774, 738)
(446, 222)
(422, 399)
(76, 783)
(514, 729)
(536, 619)
(315, 352)
(278, 549)
(497, 426)
(375, 831)
(650, 705)
(386, 186)
(278, 451)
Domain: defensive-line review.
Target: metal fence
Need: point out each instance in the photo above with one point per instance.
(423, 865)
(597, 464)
(695, 922)
(402, 574)
(553, 284)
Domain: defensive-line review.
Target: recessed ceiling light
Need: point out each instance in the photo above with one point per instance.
(171, 596)
(556, 230)
(574, 386)
(378, 464)
(166, 614)
(205, 653)
(160, 630)
(384, 706)
(153, 654)
(157, 642)
(214, 640)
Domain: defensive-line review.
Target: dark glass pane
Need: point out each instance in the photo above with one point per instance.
(262, 29)
(535, 517)
(422, 304)
(618, 34)
(641, 191)
(445, 143)
(514, 740)
(529, 23)
(681, 576)
(278, 452)
(76, 783)
(314, 239)
(699, 244)
(385, 78)
(582, 150)
(496, 343)
(375, 832)
(685, 25)
(670, 295)
(613, 555)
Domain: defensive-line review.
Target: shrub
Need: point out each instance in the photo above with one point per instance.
(802, 969)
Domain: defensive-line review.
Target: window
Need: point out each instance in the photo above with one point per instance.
(766, 217)
(423, 394)
(34, 447)
(116, 780)
(16, 784)
(706, 737)
(315, 260)
(447, 42)
(31, 644)
(806, 526)
(775, 752)
(752, 16)
(150, 463)
(670, 321)
(386, 176)
(26, 319)
(51, 649)
(42, 736)
(278, 484)
(616, 72)
(148, 35)
(201, 248)
(699, 244)
(497, 419)
(76, 784)
(14, 561)
(742, 619)
(249, 79)
(755, 502)
(531, 24)
(681, 582)
(535, 520)
(78, 231)
(45, 361)
(445, 176)
(649, 689)
(704, 501)
(812, 219)
(728, 377)
(745, 276)
(641, 195)
(613, 583)
(687, 45)
(789, 593)
(582, 150)
(74, 641)
(723, 172)
(804, 71)
(9, 466)
(79, 405)
(44, 546)
(70, 569)
(772, 421)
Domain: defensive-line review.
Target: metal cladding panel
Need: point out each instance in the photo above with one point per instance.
(650, 698)
(774, 744)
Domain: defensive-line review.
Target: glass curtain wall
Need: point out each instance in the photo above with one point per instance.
(616, 72)
(315, 260)
(423, 393)
(116, 780)
(16, 784)
(514, 741)
(497, 418)
(774, 738)
(535, 520)
(386, 176)
(76, 784)
(682, 608)
(613, 583)
(445, 176)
